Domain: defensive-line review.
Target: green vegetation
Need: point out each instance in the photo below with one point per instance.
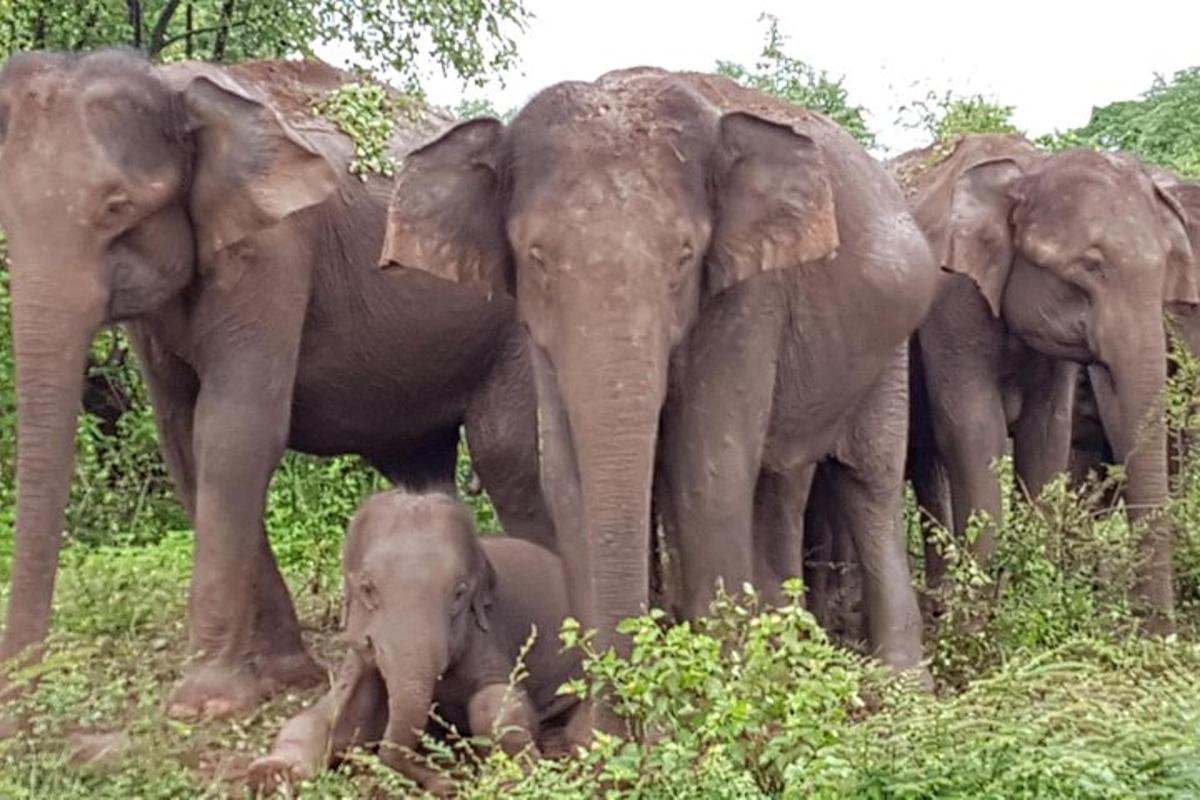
(468, 38)
(788, 77)
(1162, 127)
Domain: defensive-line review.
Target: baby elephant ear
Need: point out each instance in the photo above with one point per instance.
(774, 199)
(445, 217)
(485, 594)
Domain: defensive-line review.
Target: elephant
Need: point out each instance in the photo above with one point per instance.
(1064, 261)
(435, 614)
(718, 287)
(1090, 448)
(210, 212)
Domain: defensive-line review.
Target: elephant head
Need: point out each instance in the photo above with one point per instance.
(613, 210)
(1078, 252)
(418, 588)
(120, 185)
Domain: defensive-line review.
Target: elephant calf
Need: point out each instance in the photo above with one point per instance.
(434, 615)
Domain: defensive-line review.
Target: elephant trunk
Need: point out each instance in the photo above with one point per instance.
(411, 669)
(52, 330)
(1130, 395)
(614, 386)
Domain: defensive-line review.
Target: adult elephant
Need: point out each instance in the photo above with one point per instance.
(1068, 259)
(1090, 448)
(687, 250)
(210, 211)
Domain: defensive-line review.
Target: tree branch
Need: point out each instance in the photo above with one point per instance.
(135, 20)
(201, 31)
(160, 27)
(223, 26)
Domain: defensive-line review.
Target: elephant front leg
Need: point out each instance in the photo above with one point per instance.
(502, 431)
(1042, 432)
(243, 626)
(714, 431)
(779, 502)
(352, 713)
(504, 715)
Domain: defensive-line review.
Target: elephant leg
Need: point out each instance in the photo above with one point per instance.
(924, 468)
(931, 485)
(501, 428)
(352, 713)
(863, 497)
(173, 387)
(714, 431)
(505, 715)
(281, 659)
(1042, 432)
(779, 503)
(240, 432)
(830, 559)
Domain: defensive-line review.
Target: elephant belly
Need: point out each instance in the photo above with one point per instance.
(397, 365)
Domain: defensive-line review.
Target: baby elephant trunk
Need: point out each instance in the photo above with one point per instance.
(411, 669)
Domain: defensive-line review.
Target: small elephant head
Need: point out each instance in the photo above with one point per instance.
(614, 210)
(1078, 252)
(418, 589)
(118, 181)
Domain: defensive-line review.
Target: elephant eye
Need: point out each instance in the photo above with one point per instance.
(535, 254)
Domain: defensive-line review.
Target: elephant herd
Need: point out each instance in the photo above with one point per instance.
(695, 334)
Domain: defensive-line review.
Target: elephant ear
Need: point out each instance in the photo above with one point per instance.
(484, 595)
(444, 216)
(251, 169)
(774, 200)
(1182, 199)
(972, 234)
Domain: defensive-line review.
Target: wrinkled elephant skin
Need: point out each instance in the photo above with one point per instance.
(435, 615)
(690, 252)
(1062, 260)
(210, 211)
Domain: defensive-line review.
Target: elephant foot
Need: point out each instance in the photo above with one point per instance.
(297, 670)
(282, 767)
(212, 691)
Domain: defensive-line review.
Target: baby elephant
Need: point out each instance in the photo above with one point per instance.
(435, 615)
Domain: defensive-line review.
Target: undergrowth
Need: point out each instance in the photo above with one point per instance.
(1043, 689)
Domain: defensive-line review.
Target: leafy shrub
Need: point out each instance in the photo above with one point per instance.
(796, 81)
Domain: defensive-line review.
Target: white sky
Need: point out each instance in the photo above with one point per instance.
(1054, 59)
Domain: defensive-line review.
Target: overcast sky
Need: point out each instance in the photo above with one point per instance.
(1054, 59)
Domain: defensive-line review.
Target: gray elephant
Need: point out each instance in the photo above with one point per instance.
(1090, 448)
(1066, 259)
(435, 614)
(714, 280)
(210, 211)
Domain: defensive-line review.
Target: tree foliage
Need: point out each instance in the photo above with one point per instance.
(947, 115)
(1163, 126)
(789, 78)
(469, 38)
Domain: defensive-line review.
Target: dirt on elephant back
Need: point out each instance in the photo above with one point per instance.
(910, 168)
(296, 86)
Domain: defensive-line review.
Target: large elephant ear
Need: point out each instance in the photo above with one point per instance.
(444, 216)
(1182, 199)
(774, 201)
(972, 233)
(251, 169)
